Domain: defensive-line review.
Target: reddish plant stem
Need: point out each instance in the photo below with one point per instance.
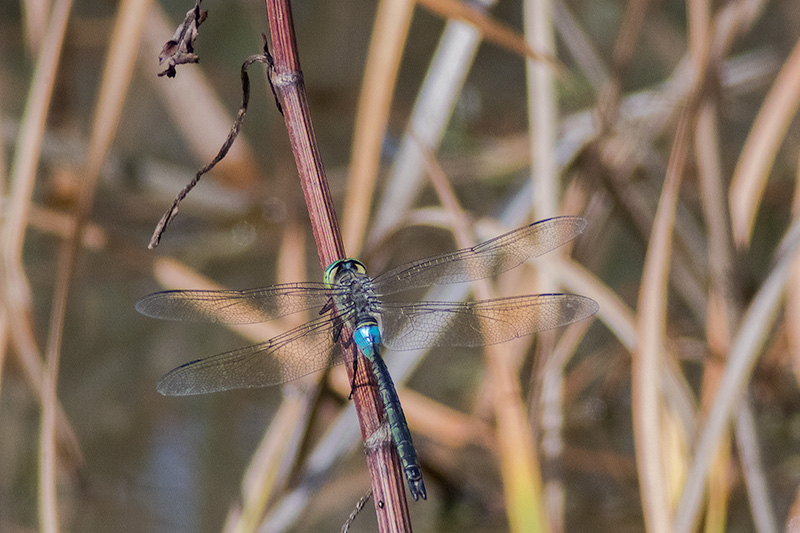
(287, 78)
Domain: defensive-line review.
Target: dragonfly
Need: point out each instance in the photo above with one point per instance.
(348, 297)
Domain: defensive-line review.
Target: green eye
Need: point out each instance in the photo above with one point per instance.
(331, 271)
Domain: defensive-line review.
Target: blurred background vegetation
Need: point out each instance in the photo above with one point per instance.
(669, 126)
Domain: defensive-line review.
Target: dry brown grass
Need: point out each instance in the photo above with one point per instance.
(672, 131)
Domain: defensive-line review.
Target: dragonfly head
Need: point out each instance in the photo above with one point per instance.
(343, 267)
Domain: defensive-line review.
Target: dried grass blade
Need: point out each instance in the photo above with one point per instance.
(35, 13)
(23, 176)
(116, 77)
(648, 361)
(282, 440)
(747, 437)
(747, 345)
(279, 447)
(493, 31)
(617, 316)
(434, 105)
(793, 294)
(759, 151)
(172, 274)
(542, 111)
(519, 465)
(389, 37)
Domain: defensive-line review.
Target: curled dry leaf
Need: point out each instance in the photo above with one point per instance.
(180, 49)
(223, 151)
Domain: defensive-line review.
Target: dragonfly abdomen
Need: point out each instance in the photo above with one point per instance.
(368, 337)
(398, 426)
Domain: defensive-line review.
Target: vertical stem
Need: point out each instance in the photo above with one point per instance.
(648, 360)
(23, 177)
(542, 112)
(543, 123)
(389, 36)
(382, 461)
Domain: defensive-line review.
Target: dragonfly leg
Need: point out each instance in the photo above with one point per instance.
(327, 307)
(337, 333)
(353, 381)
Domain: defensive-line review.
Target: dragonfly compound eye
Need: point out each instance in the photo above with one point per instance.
(337, 269)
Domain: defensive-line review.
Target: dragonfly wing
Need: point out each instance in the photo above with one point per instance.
(235, 307)
(427, 324)
(289, 356)
(484, 260)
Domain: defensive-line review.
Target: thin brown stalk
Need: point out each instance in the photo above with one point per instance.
(359, 506)
(389, 37)
(29, 141)
(722, 309)
(384, 466)
(16, 289)
(48, 512)
(624, 47)
(4, 344)
(722, 306)
(542, 127)
(516, 450)
(648, 361)
(116, 77)
(282, 441)
(628, 36)
(4, 332)
(793, 322)
(290, 86)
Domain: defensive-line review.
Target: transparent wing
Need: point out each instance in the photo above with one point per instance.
(235, 307)
(484, 260)
(409, 326)
(288, 356)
